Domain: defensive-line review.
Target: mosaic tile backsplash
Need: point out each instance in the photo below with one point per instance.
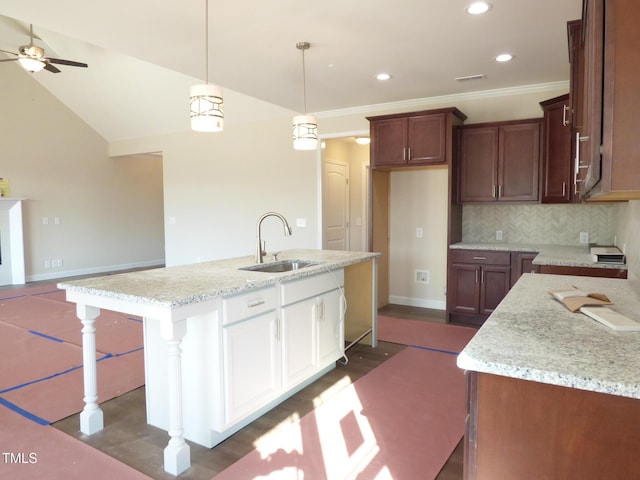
(539, 224)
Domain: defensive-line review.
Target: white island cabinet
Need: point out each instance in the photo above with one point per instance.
(223, 345)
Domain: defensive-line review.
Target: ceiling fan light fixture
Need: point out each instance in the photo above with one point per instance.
(205, 100)
(32, 65)
(305, 127)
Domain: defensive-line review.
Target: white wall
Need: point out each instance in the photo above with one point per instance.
(109, 210)
(418, 200)
(217, 186)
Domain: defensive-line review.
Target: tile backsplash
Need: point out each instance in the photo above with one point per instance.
(540, 224)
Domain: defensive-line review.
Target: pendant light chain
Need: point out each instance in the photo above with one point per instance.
(304, 83)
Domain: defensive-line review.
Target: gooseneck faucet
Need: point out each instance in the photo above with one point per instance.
(261, 247)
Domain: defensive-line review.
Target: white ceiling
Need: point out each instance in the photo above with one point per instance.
(144, 54)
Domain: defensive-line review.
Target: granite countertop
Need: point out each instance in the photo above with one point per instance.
(534, 337)
(563, 255)
(177, 286)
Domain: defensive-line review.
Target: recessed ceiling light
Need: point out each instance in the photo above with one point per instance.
(504, 57)
(383, 76)
(477, 8)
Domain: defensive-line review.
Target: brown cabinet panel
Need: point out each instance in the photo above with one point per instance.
(500, 162)
(522, 429)
(556, 155)
(388, 142)
(478, 164)
(611, 99)
(521, 262)
(426, 139)
(494, 286)
(519, 163)
(464, 288)
(477, 282)
(413, 139)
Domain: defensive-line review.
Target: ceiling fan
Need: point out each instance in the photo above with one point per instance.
(31, 58)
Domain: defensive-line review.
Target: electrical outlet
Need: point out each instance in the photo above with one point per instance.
(499, 235)
(584, 238)
(422, 276)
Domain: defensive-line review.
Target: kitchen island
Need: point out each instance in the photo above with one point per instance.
(223, 343)
(553, 394)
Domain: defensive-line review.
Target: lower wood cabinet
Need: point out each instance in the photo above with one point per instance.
(520, 429)
(477, 282)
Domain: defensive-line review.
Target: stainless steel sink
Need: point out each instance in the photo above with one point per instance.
(280, 266)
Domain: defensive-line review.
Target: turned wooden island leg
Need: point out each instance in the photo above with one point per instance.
(91, 418)
(177, 455)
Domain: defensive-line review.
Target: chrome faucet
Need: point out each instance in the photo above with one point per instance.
(261, 246)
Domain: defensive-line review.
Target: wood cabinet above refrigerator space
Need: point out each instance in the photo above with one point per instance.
(413, 139)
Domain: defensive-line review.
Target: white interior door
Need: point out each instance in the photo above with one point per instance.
(335, 205)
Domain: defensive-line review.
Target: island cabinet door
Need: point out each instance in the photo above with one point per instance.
(330, 328)
(251, 365)
(299, 335)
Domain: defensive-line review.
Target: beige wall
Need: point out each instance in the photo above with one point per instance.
(109, 210)
(217, 186)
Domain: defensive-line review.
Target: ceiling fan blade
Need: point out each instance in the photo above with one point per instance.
(51, 68)
(71, 63)
(10, 53)
(8, 60)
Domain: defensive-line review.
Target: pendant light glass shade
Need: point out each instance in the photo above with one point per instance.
(205, 101)
(305, 132)
(305, 127)
(206, 108)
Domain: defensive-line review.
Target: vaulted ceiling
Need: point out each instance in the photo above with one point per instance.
(143, 55)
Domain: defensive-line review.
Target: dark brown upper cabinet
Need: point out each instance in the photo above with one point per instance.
(500, 162)
(608, 139)
(557, 183)
(413, 139)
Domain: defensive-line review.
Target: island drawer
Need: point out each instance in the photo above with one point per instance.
(249, 304)
(481, 257)
(306, 287)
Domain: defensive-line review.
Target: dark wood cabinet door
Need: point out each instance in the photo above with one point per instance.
(427, 139)
(478, 164)
(494, 286)
(464, 288)
(519, 162)
(556, 155)
(388, 142)
(521, 262)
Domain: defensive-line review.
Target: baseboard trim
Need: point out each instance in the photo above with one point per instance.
(418, 302)
(93, 270)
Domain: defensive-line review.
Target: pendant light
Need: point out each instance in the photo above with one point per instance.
(206, 100)
(305, 127)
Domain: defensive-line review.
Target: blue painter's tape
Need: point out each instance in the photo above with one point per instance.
(130, 351)
(139, 320)
(12, 298)
(23, 412)
(46, 293)
(448, 352)
(44, 335)
(39, 380)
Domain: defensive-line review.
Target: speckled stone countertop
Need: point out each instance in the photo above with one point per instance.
(189, 284)
(534, 337)
(571, 256)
